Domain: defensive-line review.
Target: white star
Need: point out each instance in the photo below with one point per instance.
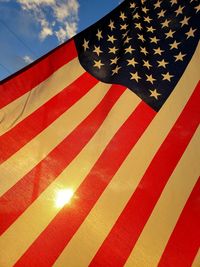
(132, 5)
(141, 37)
(135, 76)
(143, 50)
(157, 4)
(154, 40)
(114, 60)
(147, 64)
(113, 50)
(145, 10)
(129, 50)
(174, 45)
(150, 29)
(162, 63)
(136, 16)
(122, 16)
(85, 45)
(197, 8)
(179, 10)
(99, 35)
(138, 26)
(98, 64)
(190, 33)
(111, 25)
(97, 50)
(154, 94)
(127, 40)
(173, 2)
(147, 19)
(158, 51)
(179, 57)
(167, 76)
(161, 13)
(116, 70)
(123, 26)
(150, 78)
(169, 34)
(111, 39)
(184, 21)
(165, 23)
(132, 62)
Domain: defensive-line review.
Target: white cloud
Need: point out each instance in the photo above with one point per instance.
(71, 28)
(27, 59)
(61, 12)
(28, 4)
(46, 31)
(55, 17)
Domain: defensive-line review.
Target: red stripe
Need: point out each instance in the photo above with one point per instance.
(58, 233)
(44, 116)
(18, 198)
(122, 238)
(23, 81)
(184, 242)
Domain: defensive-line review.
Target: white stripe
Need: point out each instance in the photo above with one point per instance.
(104, 214)
(153, 239)
(20, 108)
(38, 148)
(196, 262)
(18, 237)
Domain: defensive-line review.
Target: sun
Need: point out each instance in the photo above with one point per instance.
(63, 197)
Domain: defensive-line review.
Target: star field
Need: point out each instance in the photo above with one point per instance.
(143, 45)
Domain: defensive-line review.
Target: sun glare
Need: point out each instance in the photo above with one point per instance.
(63, 197)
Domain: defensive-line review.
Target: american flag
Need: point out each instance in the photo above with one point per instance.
(99, 145)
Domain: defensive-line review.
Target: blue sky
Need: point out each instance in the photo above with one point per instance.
(31, 28)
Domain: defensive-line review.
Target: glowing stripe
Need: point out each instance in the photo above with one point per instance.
(101, 219)
(89, 191)
(12, 170)
(22, 107)
(29, 77)
(36, 122)
(144, 198)
(16, 240)
(37, 180)
(154, 237)
(183, 244)
(196, 262)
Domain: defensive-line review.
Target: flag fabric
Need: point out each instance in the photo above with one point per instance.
(100, 145)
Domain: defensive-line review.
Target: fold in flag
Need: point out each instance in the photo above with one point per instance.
(99, 145)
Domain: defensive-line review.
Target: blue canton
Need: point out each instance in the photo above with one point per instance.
(143, 45)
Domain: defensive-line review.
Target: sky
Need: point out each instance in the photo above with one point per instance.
(31, 28)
